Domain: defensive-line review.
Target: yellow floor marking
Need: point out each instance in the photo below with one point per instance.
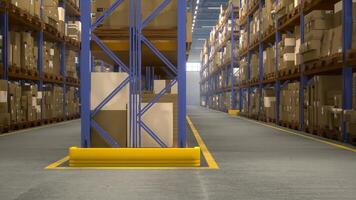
(38, 128)
(57, 163)
(304, 136)
(207, 155)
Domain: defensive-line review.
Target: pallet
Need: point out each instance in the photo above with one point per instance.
(53, 31)
(351, 58)
(269, 76)
(286, 18)
(352, 139)
(25, 16)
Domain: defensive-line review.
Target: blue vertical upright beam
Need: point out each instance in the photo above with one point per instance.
(5, 44)
(303, 78)
(63, 74)
(278, 83)
(232, 57)
(40, 61)
(248, 59)
(347, 70)
(63, 69)
(181, 38)
(85, 71)
(260, 49)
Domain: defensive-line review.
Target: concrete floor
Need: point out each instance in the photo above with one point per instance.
(255, 163)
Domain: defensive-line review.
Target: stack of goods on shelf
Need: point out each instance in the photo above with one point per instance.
(33, 7)
(4, 111)
(243, 69)
(23, 51)
(254, 67)
(255, 28)
(255, 106)
(71, 64)
(72, 102)
(269, 100)
(317, 25)
(243, 40)
(284, 7)
(289, 108)
(30, 103)
(51, 58)
(15, 103)
(102, 66)
(53, 106)
(73, 30)
(51, 14)
(287, 52)
(243, 10)
(267, 19)
(269, 60)
(323, 103)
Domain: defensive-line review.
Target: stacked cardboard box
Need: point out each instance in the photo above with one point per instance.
(16, 112)
(255, 27)
(51, 58)
(50, 13)
(53, 106)
(267, 19)
(71, 64)
(72, 102)
(33, 7)
(269, 100)
(61, 20)
(73, 30)
(316, 24)
(269, 60)
(23, 51)
(284, 7)
(255, 106)
(254, 66)
(323, 102)
(286, 52)
(289, 106)
(4, 111)
(29, 103)
(243, 69)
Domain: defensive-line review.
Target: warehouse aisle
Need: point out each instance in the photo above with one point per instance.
(255, 162)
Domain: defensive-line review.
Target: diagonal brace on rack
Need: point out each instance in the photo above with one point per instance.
(155, 13)
(159, 54)
(159, 95)
(104, 134)
(109, 52)
(153, 135)
(110, 96)
(106, 14)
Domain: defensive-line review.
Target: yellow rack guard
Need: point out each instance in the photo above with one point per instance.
(233, 112)
(134, 157)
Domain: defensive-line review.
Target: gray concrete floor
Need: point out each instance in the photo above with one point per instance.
(256, 163)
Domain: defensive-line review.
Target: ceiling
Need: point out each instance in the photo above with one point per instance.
(207, 16)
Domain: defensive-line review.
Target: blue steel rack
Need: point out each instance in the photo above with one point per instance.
(229, 66)
(136, 39)
(305, 6)
(7, 12)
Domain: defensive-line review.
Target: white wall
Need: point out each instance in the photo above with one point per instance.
(193, 88)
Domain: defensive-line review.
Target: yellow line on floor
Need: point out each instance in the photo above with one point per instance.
(208, 156)
(336, 145)
(57, 163)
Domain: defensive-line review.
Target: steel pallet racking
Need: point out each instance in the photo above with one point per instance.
(136, 38)
(11, 15)
(341, 63)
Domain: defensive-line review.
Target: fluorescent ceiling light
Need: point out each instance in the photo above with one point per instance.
(213, 8)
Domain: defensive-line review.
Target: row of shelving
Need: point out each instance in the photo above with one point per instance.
(287, 54)
(40, 44)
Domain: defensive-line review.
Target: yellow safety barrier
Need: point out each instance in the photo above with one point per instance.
(134, 157)
(233, 112)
